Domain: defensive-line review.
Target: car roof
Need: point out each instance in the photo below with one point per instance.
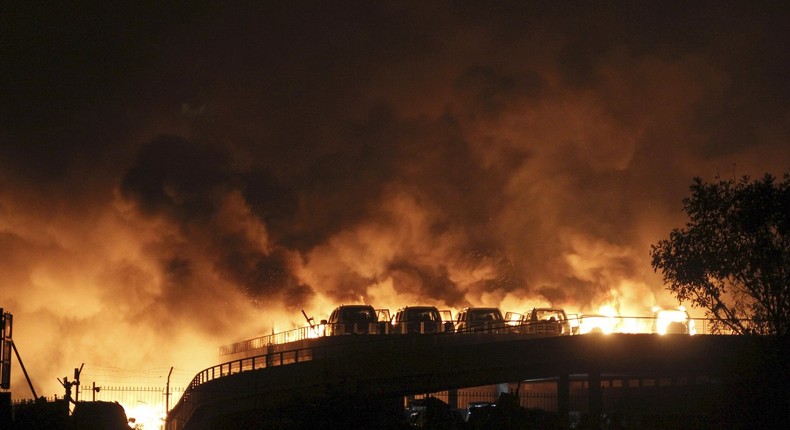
(418, 308)
(355, 306)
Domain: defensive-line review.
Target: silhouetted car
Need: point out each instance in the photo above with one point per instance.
(352, 319)
(479, 414)
(548, 320)
(419, 319)
(432, 413)
(99, 416)
(597, 323)
(479, 319)
(551, 321)
(672, 321)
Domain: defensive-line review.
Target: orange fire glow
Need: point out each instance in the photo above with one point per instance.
(144, 416)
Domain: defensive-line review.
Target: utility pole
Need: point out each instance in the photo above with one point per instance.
(5, 349)
(77, 373)
(67, 386)
(22, 365)
(6, 345)
(167, 391)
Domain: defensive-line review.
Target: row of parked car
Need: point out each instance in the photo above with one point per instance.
(364, 319)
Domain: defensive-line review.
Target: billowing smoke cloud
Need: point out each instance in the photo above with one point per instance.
(174, 180)
(192, 186)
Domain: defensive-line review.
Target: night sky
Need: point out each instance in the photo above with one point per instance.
(177, 177)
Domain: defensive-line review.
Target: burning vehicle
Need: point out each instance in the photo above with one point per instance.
(421, 319)
(552, 321)
(597, 323)
(479, 319)
(672, 321)
(355, 319)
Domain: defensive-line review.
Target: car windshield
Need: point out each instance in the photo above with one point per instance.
(548, 315)
(485, 315)
(422, 314)
(361, 314)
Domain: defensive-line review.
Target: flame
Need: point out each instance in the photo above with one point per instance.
(607, 310)
(317, 330)
(596, 323)
(144, 416)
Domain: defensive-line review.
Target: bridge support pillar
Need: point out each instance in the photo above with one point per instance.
(269, 355)
(595, 398)
(452, 398)
(564, 399)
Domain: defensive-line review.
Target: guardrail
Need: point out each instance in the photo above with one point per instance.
(184, 408)
(272, 339)
(320, 330)
(576, 325)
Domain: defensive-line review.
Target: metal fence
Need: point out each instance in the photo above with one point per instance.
(134, 395)
(145, 406)
(121, 394)
(252, 363)
(577, 325)
(545, 397)
(294, 335)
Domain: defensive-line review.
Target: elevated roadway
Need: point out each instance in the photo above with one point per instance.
(394, 366)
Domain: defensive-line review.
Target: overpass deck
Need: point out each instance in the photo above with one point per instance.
(392, 366)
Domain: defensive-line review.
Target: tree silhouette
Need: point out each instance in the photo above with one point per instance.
(733, 256)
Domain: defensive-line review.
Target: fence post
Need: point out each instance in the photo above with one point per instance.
(167, 391)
